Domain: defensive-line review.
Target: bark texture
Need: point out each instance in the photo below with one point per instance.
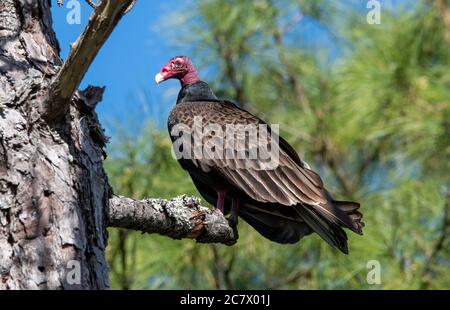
(54, 194)
(181, 217)
(53, 190)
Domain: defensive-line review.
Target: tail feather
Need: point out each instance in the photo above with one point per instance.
(350, 208)
(274, 225)
(277, 224)
(289, 224)
(329, 231)
(341, 213)
(347, 206)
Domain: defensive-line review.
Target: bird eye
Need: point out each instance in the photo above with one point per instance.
(176, 65)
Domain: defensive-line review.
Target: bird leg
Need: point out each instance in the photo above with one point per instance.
(221, 201)
(233, 220)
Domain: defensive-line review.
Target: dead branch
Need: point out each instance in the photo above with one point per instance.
(439, 245)
(101, 24)
(181, 217)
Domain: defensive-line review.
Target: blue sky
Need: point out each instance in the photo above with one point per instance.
(129, 60)
(134, 53)
(127, 63)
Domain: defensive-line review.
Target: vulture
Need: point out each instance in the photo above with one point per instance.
(274, 191)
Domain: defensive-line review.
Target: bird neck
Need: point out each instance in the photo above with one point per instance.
(190, 77)
(198, 91)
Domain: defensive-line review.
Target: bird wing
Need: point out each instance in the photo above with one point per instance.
(284, 179)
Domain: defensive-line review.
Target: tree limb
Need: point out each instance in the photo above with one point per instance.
(438, 246)
(181, 217)
(102, 22)
(292, 76)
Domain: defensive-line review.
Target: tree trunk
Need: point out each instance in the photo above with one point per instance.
(53, 189)
(55, 200)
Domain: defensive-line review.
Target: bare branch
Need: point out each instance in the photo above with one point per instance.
(331, 158)
(439, 246)
(91, 3)
(292, 76)
(102, 22)
(181, 217)
(442, 7)
(88, 99)
(295, 20)
(231, 71)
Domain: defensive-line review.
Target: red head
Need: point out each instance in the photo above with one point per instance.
(180, 68)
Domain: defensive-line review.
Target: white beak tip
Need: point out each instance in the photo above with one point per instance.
(159, 78)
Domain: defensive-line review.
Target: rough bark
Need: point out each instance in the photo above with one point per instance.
(53, 190)
(181, 217)
(54, 193)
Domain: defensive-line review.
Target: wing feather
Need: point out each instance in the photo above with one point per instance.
(290, 182)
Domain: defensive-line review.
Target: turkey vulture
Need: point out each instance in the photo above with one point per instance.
(283, 202)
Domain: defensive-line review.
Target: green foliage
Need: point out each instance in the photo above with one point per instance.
(374, 122)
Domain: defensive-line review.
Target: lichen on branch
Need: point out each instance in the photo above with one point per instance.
(180, 217)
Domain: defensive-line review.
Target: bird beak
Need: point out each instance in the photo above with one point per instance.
(159, 78)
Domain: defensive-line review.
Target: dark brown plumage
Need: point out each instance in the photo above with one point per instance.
(285, 203)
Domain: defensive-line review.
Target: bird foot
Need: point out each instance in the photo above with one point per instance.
(233, 220)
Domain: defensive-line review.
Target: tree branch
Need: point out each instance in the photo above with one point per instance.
(438, 246)
(292, 76)
(181, 217)
(102, 22)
